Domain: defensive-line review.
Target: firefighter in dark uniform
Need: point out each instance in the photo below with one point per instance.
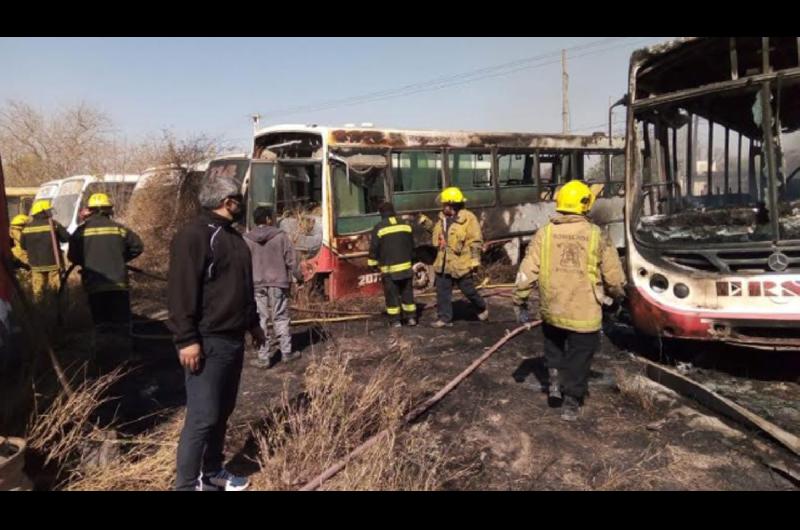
(392, 250)
(102, 247)
(40, 239)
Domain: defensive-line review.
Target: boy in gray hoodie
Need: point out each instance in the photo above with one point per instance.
(274, 265)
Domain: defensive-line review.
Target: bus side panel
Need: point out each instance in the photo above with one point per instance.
(345, 277)
(354, 278)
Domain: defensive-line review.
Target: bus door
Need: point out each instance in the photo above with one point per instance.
(298, 202)
(261, 187)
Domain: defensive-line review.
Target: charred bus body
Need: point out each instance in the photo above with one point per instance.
(325, 185)
(713, 190)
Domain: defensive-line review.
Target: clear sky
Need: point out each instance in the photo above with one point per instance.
(213, 85)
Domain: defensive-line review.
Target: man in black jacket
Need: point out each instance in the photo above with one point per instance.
(392, 251)
(211, 306)
(102, 247)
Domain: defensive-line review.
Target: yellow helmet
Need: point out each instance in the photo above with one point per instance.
(99, 200)
(19, 220)
(574, 197)
(40, 206)
(452, 194)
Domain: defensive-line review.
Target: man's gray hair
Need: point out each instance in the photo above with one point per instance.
(215, 190)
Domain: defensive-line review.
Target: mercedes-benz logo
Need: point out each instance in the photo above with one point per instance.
(778, 261)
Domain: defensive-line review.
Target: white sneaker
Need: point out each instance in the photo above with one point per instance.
(227, 481)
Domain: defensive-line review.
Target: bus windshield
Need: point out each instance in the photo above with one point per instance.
(720, 167)
(66, 201)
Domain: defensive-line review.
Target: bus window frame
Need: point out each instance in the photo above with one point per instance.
(391, 174)
(491, 152)
(535, 170)
(334, 201)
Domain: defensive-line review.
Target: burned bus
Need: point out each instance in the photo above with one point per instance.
(325, 185)
(713, 190)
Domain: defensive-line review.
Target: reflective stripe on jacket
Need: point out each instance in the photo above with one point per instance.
(102, 248)
(572, 261)
(36, 240)
(391, 248)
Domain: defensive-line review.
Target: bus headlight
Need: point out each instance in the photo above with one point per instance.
(659, 283)
(681, 290)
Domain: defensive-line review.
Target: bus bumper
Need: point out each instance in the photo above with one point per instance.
(771, 332)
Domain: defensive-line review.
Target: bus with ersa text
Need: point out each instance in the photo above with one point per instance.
(713, 190)
(325, 184)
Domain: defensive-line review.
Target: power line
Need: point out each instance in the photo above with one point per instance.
(454, 80)
(451, 77)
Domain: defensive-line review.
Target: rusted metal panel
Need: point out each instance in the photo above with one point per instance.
(394, 139)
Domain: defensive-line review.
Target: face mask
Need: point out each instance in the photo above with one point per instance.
(237, 214)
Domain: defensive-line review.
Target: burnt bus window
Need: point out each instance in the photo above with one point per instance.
(472, 173)
(786, 102)
(302, 188)
(701, 171)
(357, 197)
(516, 177)
(594, 167)
(549, 170)
(417, 179)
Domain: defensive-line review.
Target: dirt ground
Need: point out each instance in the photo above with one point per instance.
(497, 425)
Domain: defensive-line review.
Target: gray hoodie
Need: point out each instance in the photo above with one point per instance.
(274, 261)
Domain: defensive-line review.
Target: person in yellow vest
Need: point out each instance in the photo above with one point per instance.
(19, 254)
(457, 236)
(573, 261)
(40, 239)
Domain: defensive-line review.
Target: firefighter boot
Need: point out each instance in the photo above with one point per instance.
(570, 410)
(554, 396)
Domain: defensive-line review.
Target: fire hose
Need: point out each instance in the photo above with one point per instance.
(417, 411)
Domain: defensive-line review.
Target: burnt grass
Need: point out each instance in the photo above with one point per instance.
(498, 428)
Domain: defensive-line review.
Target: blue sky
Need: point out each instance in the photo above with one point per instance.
(212, 85)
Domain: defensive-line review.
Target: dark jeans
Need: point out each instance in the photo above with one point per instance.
(110, 308)
(399, 296)
(210, 400)
(571, 353)
(444, 295)
(111, 314)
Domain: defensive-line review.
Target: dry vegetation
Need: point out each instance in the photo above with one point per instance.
(336, 414)
(145, 463)
(297, 440)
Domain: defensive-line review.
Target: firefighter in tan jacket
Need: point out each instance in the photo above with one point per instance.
(572, 261)
(458, 239)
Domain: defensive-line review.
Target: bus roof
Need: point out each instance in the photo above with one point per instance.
(399, 138)
(21, 191)
(130, 177)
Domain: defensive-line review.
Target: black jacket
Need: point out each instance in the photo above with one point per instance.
(102, 247)
(37, 242)
(210, 289)
(391, 248)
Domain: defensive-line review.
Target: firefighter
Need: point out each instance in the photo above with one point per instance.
(40, 239)
(102, 247)
(18, 253)
(392, 251)
(572, 261)
(457, 236)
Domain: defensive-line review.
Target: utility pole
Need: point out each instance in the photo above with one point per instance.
(564, 93)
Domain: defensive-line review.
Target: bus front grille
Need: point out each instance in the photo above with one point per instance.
(734, 261)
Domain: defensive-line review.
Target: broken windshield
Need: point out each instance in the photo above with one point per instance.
(703, 173)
